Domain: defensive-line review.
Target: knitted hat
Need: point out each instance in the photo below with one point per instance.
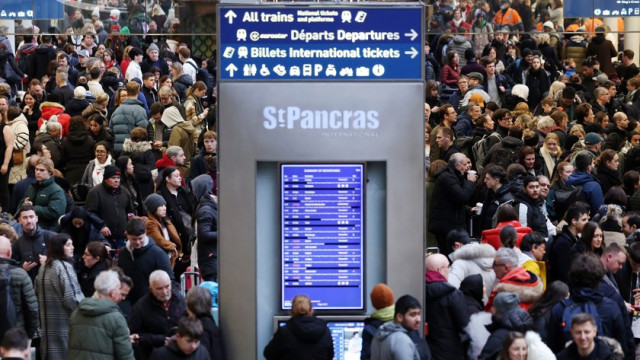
(526, 52)
(153, 47)
(114, 27)
(505, 301)
(153, 202)
(125, 31)
(114, 14)
(110, 171)
(96, 12)
(381, 296)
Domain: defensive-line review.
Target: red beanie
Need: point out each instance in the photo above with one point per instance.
(381, 296)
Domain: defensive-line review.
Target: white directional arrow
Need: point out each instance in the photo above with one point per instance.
(230, 15)
(412, 35)
(231, 69)
(413, 52)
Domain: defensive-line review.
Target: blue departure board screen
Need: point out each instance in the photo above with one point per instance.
(322, 234)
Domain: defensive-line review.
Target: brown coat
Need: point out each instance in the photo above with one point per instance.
(154, 231)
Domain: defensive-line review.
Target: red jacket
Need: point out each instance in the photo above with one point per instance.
(522, 282)
(49, 109)
(492, 236)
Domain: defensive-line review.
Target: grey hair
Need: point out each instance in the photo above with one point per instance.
(53, 125)
(507, 255)
(545, 122)
(106, 282)
(173, 150)
(456, 158)
(599, 91)
(158, 275)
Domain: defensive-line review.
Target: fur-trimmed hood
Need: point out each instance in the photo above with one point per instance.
(131, 147)
(481, 254)
(49, 104)
(522, 282)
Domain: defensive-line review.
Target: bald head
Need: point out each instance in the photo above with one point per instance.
(438, 263)
(5, 247)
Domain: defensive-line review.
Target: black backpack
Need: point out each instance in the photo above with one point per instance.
(8, 310)
(565, 197)
(202, 75)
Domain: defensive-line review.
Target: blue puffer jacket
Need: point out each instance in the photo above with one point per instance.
(128, 115)
(591, 189)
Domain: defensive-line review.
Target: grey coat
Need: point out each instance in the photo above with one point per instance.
(58, 293)
(392, 341)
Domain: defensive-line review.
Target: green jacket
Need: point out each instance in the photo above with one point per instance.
(97, 330)
(50, 203)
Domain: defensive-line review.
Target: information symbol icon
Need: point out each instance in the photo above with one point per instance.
(378, 70)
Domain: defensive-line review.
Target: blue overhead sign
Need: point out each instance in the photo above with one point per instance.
(320, 43)
(601, 8)
(27, 9)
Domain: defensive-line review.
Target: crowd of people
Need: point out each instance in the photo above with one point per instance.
(531, 151)
(107, 187)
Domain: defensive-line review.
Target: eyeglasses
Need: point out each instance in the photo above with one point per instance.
(100, 152)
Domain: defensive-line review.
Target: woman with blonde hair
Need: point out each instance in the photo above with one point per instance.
(555, 89)
(550, 152)
(196, 112)
(181, 81)
(303, 334)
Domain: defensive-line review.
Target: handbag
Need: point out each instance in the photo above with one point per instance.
(10, 75)
(18, 157)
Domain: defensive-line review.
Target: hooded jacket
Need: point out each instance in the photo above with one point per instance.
(522, 282)
(140, 263)
(48, 109)
(608, 311)
(128, 115)
(444, 311)
(513, 320)
(530, 211)
(452, 191)
(392, 341)
(112, 206)
(459, 45)
(183, 134)
(504, 152)
(39, 61)
(303, 338)
(492, 236)
(24, 298)
(473, 289)
(97, 330)
(371, 326)
(49, 201)
(207, 226)
(604, 50)
(76, 106)
(77, 151)
(591, 189)
(473, 259)
(492, 203)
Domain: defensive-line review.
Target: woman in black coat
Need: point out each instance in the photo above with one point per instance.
(538, 82)
(607, 170)
(540, 311)
(473, 289)
(303, 337)
(199, 307)
(77, 150)
(95, 260)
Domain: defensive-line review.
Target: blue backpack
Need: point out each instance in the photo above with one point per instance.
(572, 309)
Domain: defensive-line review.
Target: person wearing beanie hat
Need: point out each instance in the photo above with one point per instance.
(383, 301)
(154, 59)
(397, 339)
(508, 317)
(111, 204)
(160, 228)
(444, 310)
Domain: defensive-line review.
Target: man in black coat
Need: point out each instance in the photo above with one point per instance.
(618, 135)
(140, 258)
(111, 204)
(559, 249)
(444, 311)
(31, 245)
(529, 206)
(451, 193)
(155, 314)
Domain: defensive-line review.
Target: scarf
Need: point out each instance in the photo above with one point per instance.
(457, 22)
(98, 170)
